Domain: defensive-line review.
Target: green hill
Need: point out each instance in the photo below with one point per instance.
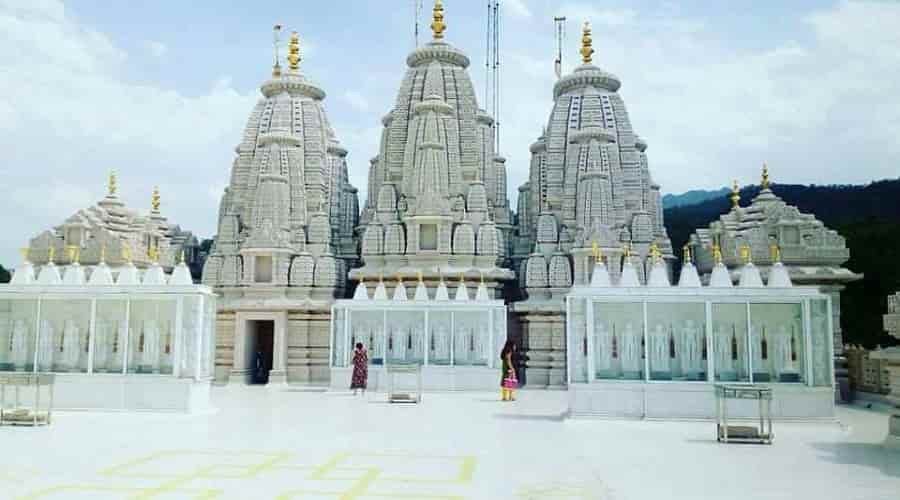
(868, 216)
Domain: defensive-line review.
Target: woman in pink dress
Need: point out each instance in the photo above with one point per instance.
(360, 369)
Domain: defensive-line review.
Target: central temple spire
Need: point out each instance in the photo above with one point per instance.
(437, 24)
(587, 49)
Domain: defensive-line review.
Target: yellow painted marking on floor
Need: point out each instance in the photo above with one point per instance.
(328, 466)
(199, 494)
(362, 485)
(467, 470)
(267, 465)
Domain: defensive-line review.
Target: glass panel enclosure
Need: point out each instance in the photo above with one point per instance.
(439, 337)
(191, 333)
(17, 317)
(406, 337)
(677, 341)
(777, 341)
(338, 357)
(208, 345)
(618, 341)
(578, 349)
(63, 335)
(366, 327)
(729, 329)
(109, 336)
(821, 343)
(470, 338)
(151, 336)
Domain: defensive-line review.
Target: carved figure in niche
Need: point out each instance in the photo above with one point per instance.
(631, 354)
(19, 345)
(757, 333)
(690, 352)
(603, 347)
(45, 345)
(785, 352)
(150, 345)
(723, 348)
(659, 354)
(101, 345)
(441, 343)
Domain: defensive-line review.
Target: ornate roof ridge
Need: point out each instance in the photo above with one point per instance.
(437, 51)
(586, 75)
(294, 84)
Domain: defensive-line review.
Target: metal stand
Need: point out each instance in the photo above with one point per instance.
(23, 414)
(751, 434)
(404, 397)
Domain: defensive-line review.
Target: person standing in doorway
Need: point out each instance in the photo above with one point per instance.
(360, 369)
(508, 380)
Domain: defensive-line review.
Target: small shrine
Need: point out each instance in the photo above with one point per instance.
(141, 340)
(455, 335)
(652, 350)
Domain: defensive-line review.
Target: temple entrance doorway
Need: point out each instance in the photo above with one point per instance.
(262, 340)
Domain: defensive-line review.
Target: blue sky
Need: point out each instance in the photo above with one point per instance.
(161, 90)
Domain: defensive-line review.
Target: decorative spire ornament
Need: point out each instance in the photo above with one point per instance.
(655, 254)
(419, 274)
(437, 23)
(103, 253)
(626, 251)
(735, 195)
(294, 52)
(746, 254)
(51, 252)
(587, 49)
(596, 252)
(72, 253)
(181, 260)
(687, 254)
(126, 253)
(717, 253)
(155, 199)
(111, 184)
(775, 253)
(765, 183)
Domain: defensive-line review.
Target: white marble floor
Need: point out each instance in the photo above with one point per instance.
(275, 444)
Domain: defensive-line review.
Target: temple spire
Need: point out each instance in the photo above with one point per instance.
(765, 183)
(587, 44)
(437, 24)
(294, 52)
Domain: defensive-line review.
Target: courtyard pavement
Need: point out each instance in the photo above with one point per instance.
(266, 443)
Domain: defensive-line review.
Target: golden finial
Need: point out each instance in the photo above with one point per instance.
(765, 177)
(182, 256)
(419, 274)
(462, 277)
(655, 254)
(437, 24)
(775, 253)
(717, 253)
(126, 253)
(154, 199)
(276, 39)
(746, 254)
(687, 254)
(626, 251)
(399, 278)
(735, 195)
(111, 184)
(24, 251)
(103, 253)
(587, 49)
(51, 252)
(294, 52)
(72, 253)
(596, 252)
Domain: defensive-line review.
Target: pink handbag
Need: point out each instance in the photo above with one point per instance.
(510, 383)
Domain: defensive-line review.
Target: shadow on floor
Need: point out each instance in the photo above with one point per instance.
(872, 455)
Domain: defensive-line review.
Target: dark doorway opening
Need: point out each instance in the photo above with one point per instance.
(262, 335)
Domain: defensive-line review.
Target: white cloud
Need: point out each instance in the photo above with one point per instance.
(156, 49)
(517, 8)
(67, 117)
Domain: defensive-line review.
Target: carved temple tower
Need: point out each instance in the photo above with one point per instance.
(589, 184)
(437, 200)
(285, 236)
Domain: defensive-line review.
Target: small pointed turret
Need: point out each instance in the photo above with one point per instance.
(735, 195)
(764, 182)
(587, 44)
